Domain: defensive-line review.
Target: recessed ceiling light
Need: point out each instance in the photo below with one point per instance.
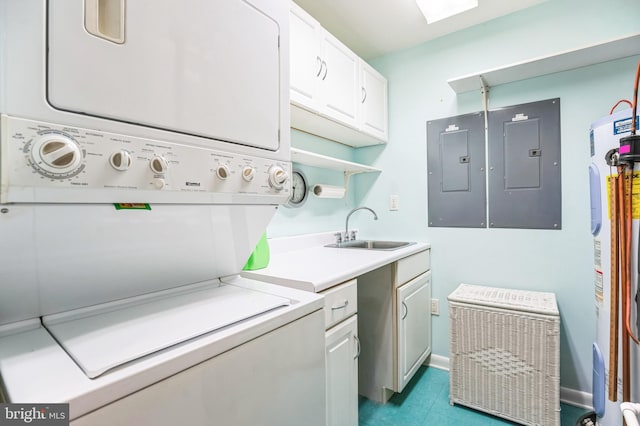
(436, 10)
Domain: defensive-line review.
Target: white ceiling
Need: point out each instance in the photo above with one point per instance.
(373, 28)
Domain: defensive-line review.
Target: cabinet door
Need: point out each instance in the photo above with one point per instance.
(373, 102)
(342, 350)
(305, 61)
(414, 326)
(339, 87)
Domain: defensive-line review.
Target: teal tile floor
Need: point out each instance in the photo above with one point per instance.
(425, 401)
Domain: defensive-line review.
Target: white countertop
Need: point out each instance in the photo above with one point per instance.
(303, 262)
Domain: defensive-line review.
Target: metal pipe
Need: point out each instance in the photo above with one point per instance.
(624, 256)
(615, 277)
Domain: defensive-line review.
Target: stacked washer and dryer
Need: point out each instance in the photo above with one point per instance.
(144, 149)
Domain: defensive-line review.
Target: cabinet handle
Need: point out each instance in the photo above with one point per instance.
(406, 310)
(320, 62)
(326, 69)
(344, 305)
(364, 94)
(358, 346)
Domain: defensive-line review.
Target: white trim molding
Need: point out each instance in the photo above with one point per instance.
(438, 361)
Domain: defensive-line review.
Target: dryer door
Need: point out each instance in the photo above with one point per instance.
(201, 67)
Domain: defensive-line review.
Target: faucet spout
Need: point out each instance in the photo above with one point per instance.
(346, 226)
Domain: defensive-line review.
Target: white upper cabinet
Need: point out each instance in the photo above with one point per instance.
(339, 86)
(328, 87)
(373, 102)
(305, 60)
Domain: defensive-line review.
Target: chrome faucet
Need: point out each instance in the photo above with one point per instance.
(346, 226)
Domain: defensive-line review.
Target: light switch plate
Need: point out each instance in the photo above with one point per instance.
(393, 203)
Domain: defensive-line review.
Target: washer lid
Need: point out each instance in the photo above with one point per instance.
(103, 337)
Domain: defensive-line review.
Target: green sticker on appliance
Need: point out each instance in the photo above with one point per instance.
(132, 206)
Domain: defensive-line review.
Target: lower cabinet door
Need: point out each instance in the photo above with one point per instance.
(414, 326)
(342, 350)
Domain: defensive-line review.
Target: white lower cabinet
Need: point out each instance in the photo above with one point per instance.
(342, 349)
(394, 325)
(414, 326)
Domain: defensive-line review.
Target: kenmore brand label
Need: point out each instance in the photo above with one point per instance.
(624, 125)
(34, 414)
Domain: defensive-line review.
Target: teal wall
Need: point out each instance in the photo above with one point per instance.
(558, 261)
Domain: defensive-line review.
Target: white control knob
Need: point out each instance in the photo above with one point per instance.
(120, 160)
(158, 183)
(223, 172)
(158, 165)
(277, 177)
(56, 153)
(248, 173)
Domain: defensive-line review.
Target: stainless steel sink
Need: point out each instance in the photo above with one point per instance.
(372, 244)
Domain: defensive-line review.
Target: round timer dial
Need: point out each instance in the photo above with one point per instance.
(299, 189)
(56, 154)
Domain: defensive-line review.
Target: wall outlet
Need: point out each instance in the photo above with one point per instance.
(435, 307)
(393, 203)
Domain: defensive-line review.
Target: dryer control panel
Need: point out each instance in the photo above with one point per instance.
(44, 162)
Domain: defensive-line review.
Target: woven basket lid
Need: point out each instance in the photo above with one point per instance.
(519, 300)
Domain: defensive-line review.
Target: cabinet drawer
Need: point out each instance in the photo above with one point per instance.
(412, 266)
(340, 302)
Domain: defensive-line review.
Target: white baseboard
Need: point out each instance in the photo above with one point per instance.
(577, 398)
(567, 395)
(438, 361)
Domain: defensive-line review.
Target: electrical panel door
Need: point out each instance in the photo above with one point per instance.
(456, 171)
(524, 166)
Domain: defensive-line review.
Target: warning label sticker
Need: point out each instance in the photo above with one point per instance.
(635, 197)
(599, 288)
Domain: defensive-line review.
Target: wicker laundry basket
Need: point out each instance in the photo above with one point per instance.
(505, 353)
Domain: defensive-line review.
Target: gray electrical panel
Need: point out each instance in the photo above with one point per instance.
(456, 171)
(524, 166)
